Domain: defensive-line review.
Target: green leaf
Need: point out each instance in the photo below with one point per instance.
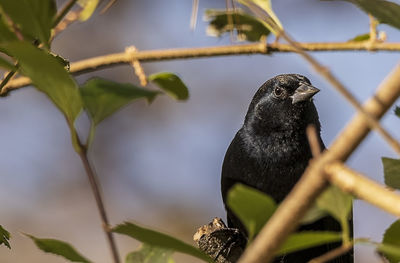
(5, 32)
(48, 76)
(6, 65)
(252, 216)
(360, 38)
(307, 239)
(397, 111)
(248, 27)
(313, 214)
(4, 237)
(33, 18)
(391, 168)
(171, 84)
(89, 6)
(103, 97)
(158, 239)
(385, 12)
(59, 248)
(390, 246)
(336, 203)
(150, 254)
(265, 6)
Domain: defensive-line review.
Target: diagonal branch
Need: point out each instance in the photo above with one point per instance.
(313, 182)
(358, 185)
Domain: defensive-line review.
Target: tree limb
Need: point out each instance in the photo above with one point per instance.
(100, 62)
(358, 185)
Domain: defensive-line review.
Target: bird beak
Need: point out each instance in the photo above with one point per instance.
(304, 92)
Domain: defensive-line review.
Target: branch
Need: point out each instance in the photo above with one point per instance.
(100, 62)
(100, 203)
(313, 182)
(358, 185)
(334, 253)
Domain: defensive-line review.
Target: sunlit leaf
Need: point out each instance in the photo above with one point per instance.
(307, 239)
(150, 254)
(251, 206)
(89, 6)
(313, 214)
(391, 168)
(336, 203)
(49, 76)
(360, 38)
(384, 11)
(264, 5)
(158, 239)
(171, 84)
(4, 237)
(248, 27)
(33, 18)
(104, 97)
(59, 248)
(390, 246)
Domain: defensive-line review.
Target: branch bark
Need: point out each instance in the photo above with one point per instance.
(313, 181)
(100, 62)
(360, 186)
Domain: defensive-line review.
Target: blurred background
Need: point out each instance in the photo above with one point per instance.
(159, 165)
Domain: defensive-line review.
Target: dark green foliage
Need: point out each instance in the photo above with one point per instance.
(49, 76)
(391, 168)
(171, 84)
(104, 97)
(34, 19)
(59, 248)
(150, 254)
(385, 12)
(4, 237)
(248, 27)
(158, 239)
(397, 111)
(390, 246)
(360, 38)
(253, 216)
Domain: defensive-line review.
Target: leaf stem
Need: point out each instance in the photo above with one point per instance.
(95, 185)
(8, 77)
(63, 12)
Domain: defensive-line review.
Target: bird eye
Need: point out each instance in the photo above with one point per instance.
(278, 92)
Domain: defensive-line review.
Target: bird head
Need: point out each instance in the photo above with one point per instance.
(283, 102)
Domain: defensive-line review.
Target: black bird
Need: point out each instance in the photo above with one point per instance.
(271, 151)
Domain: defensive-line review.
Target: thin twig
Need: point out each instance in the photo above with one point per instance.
(373, 23)
(108, 5)
(71, 17)
(312, 183)
(137, 66)
(100, 203)
(8, 77)
(230, 20)
(63, 12)
(360, 186)
(334, 253)
(100, 62)
(193, 17)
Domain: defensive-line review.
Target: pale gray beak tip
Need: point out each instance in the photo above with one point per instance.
(303, 93)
